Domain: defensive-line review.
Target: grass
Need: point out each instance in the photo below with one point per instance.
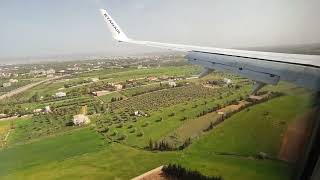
(142, 89)
(141, 73)
(107, 98)
(4, 126)
(59, 148)
(257, 129)
(79, 155)
(235, 168)
(30, 128)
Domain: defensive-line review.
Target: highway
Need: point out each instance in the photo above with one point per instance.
(26, 87)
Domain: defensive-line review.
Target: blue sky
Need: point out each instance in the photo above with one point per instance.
(62, 27)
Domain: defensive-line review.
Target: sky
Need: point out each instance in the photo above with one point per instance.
(68, 27)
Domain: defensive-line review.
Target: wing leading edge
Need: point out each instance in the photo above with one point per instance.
(262, 67)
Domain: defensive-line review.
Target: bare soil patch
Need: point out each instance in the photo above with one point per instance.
(155, 174)
(296, 138)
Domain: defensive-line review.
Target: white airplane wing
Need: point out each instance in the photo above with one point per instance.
(262, 67)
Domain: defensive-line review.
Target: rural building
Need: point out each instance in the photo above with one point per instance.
(40, 71)
(50, 71)
(118, 86)
(164, 77)
(60, 94)
(47, 109)
(227, 81)
(220, 113)
(172, 84)
(152, 78)
(6, 84)
(142, 67)
(255, 98)
(13, 81)
(94, 79)
(80, 119)
(37, 110)
(100, 93)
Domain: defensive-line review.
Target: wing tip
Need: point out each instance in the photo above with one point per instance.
(115, 29)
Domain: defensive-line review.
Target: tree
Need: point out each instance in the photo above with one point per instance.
(35, 97)
(150, 144)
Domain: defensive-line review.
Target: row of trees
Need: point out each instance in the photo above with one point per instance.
(165, 146)
(160, 146)
(178, 172)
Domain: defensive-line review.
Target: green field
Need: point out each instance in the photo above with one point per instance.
(59, 148)
(83, 153)
(116, 144)
(108, 97)
(255, 129)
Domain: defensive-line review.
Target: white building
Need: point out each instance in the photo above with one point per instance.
(60, 94)
(6, 84)
(80, 119)
(94, 79)
(118, 87)
(100, 93)
(227, 81)
(172, 84)
(50, 71)
(13, 80)
(141, 67)
(37, 110)
(220, 113)
(47, 109)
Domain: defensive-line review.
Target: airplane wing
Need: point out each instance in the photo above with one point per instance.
(261, 67)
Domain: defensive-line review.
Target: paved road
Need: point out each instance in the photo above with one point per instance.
(26, 87)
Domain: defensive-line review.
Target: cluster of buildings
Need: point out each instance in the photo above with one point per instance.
(10, 82)
(8, 74)
(42, 72)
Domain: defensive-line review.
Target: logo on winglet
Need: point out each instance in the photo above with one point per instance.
(111, 22)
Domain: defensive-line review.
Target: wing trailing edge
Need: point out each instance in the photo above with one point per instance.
(261, 67)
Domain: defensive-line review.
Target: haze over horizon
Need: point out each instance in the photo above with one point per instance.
(49, 28)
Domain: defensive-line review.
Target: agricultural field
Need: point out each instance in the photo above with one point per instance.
(94, 159)
(255, 129)
(113, 96)
(209, 124)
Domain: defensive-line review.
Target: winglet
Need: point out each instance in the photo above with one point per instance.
(116, 31)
